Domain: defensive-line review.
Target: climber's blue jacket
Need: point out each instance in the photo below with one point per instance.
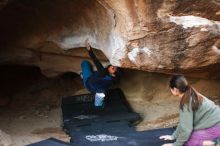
(100, 81)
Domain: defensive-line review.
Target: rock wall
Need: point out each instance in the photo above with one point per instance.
(149, 95)
(49, 34)
(172, 36)
(168, 36)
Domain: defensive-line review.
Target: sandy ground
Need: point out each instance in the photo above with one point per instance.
(34, 114)
(25, 127)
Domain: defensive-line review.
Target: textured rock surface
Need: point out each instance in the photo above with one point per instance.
(166, 36)
(149, 95)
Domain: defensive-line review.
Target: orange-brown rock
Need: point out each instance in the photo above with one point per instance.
(166, 36)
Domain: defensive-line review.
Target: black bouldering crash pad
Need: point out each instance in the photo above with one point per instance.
(51, 142)
(110, 126)
(119, 135)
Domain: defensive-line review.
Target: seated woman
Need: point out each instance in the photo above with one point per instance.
(199, 116)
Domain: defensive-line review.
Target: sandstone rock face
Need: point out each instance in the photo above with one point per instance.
(169, 36)
(149, 95)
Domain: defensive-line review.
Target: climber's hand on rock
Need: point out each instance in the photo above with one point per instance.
(166, 137)
(88, 47)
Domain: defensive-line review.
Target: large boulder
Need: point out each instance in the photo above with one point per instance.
(166, 36)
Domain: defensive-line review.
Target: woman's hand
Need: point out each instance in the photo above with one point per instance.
(168, 144)
(166, 137)
(88, 47)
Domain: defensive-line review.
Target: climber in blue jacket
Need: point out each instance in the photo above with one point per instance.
(98, 81)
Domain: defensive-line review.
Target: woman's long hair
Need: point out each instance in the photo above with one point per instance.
(190, 94)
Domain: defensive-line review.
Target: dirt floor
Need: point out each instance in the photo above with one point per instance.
(33, 112)
(30, 105)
